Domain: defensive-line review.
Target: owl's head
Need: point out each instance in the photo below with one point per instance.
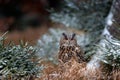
(68, 40)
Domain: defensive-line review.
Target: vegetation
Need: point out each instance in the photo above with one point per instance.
(84, 17)
(111, 52)
(17, 61)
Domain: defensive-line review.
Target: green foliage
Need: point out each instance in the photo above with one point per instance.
(17, 60)
(111, 52)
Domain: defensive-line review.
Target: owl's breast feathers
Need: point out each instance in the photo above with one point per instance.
(69, 52)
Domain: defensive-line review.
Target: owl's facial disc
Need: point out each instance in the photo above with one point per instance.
(68, 40)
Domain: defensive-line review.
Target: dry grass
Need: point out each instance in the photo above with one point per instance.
(73, 70)
(115, 75)
(64, 71)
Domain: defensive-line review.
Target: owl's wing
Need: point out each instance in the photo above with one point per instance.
(80, 54)
(61, 55)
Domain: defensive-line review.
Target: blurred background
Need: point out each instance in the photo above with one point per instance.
(25, 19)
(41, 22)
(28, 20)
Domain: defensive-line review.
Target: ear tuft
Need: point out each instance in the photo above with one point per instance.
(73, 36)
(65, 36)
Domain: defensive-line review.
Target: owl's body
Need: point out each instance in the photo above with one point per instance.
(70, 49)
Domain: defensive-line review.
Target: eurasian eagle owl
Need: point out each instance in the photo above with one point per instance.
(69, 49)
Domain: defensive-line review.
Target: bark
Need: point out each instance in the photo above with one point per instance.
(114, 27)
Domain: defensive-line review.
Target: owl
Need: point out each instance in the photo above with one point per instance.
(69, 49)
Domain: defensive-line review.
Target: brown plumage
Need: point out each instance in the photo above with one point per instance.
(70, 49)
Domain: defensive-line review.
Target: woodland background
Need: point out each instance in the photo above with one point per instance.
(31, 29)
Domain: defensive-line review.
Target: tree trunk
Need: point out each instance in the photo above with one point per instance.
(113, 26)
(111, 31)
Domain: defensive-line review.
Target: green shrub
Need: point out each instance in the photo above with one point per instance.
(111, 52)
(17, 61)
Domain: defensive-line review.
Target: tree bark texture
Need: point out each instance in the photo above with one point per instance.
(114, 28)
